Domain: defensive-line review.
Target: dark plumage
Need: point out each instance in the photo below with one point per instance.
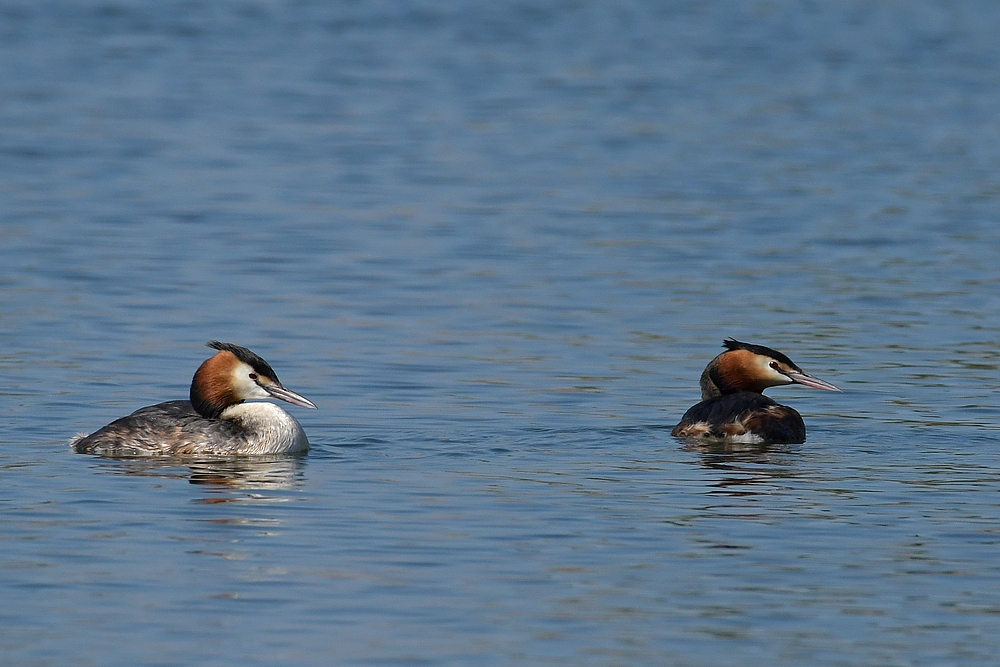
(732, 415)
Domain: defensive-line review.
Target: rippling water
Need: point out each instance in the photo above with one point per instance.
(496, 243)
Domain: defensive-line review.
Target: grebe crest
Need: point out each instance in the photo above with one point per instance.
(216, 420)
(733, 407)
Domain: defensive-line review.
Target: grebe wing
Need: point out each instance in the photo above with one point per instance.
(743, 414)
(148, 430)
(169, 410)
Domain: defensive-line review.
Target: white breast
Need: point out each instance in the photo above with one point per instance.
(268, 429)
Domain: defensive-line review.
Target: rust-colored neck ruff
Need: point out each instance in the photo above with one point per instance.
(730, 372)
(212, 387)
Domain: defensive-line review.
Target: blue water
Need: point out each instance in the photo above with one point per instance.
(497, 243)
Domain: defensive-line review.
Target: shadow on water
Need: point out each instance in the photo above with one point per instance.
(259, 473)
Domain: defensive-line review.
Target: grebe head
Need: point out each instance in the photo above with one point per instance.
(232, 376)
(746, 367)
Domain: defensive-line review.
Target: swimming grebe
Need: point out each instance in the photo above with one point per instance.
(732, 407)
(216, 421)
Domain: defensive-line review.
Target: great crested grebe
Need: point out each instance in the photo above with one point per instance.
(216, 421)
(732, 407)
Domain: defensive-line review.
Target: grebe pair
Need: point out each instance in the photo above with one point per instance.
(218, 422)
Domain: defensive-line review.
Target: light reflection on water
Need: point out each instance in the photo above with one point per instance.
(497, 245)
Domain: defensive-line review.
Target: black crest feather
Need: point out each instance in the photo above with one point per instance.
(733, 344)
(246, 356)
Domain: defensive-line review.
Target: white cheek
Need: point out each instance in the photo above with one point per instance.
(257, 392)
(775, 376)
(246, 387)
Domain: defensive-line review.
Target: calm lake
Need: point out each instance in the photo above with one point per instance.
(496, 243)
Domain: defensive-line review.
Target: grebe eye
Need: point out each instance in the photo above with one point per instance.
(774, 365)
(253, 376)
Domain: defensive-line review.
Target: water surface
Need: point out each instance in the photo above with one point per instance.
(497, 243)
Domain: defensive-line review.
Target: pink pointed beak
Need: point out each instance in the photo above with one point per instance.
(809, 381)
(280, 392)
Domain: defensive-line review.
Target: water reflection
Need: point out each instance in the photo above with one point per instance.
(260, 473)
(744, 466)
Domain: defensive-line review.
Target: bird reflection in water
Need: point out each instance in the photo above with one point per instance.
(745, 469)
(257, 473)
